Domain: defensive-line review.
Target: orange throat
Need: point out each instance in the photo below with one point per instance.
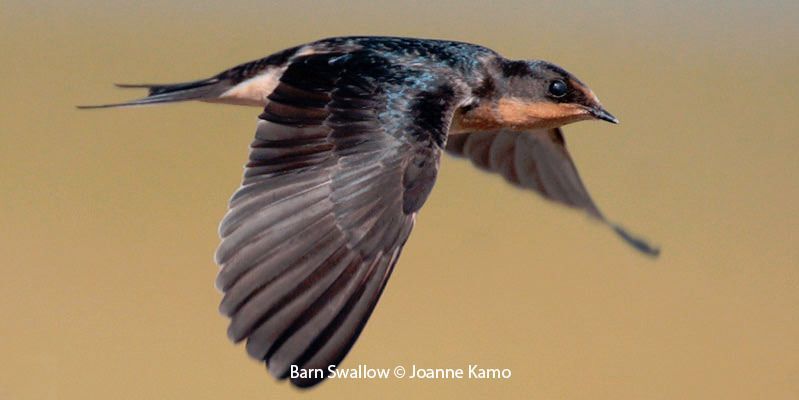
(517, 114)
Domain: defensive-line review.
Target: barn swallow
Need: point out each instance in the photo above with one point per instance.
(345, 154)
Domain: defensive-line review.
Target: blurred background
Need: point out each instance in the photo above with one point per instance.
(108, 218)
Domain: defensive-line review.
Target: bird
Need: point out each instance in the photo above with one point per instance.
(346, 152)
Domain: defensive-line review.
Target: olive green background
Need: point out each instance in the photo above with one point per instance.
(108, 218)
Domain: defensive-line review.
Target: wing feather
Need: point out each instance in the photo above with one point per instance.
(328, 200)
(536, 160)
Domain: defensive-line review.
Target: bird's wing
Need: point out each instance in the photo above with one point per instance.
(329, 198)
(536, 160)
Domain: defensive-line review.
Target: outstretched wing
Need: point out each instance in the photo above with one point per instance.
(328, 200)
(536, 160)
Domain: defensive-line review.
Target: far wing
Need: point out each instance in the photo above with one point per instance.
(535, 160)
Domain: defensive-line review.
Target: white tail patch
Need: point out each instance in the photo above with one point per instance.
(253, 91)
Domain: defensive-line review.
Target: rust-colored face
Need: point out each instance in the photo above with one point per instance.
(528, 114)
(530, 95)
(515, 113)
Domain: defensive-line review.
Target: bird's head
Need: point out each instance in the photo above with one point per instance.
(529, 95)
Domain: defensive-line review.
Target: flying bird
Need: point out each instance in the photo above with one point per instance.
(345, 154)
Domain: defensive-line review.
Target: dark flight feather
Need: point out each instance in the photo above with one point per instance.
(536, 160)
(329, 198)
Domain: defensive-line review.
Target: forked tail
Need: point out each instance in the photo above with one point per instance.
(246, 84)
(205, 89)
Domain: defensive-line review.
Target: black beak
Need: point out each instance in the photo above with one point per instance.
(600, 113)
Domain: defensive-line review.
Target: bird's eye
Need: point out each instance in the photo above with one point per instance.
(558, 88)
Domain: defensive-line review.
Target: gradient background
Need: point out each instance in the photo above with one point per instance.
(108, 218)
